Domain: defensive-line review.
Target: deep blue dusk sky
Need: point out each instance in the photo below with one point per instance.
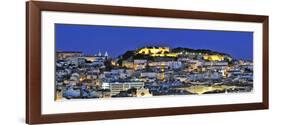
(91, 39)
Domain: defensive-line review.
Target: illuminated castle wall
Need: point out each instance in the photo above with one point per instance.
(213, 57)
(157, 51)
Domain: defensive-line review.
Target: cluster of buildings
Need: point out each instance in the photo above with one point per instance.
(149, 71)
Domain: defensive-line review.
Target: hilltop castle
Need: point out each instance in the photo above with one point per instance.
(157, 52)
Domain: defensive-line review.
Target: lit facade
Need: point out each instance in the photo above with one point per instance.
(213, 57)
(66, 55)
(116, 87)
(157, 52)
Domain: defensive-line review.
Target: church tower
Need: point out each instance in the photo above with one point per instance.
(99, 54)
(106, 54)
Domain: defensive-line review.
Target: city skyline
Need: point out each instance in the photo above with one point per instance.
(117, 40)
(153, 62)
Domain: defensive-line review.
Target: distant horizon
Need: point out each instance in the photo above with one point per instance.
(90, 54)
(117, 40)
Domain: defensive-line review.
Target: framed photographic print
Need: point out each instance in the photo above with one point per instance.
(94, 62)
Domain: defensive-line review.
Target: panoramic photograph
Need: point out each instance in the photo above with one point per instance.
(94, 61)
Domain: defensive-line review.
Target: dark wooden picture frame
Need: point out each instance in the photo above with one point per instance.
(33, 62)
